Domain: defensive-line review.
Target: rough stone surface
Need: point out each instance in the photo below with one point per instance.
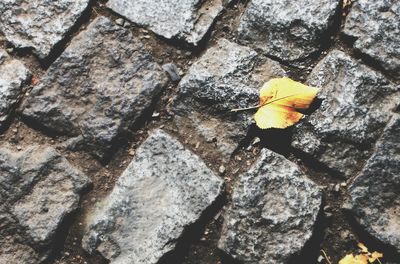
(274, 208)
(227, 76)
(99, 87)
(39, 24)
(185, 19)
(12, 252)
(13, 78)
(288, 30)
(355, 109)
(374, 194)
(376, 28)
(38, 189)
(165, 189)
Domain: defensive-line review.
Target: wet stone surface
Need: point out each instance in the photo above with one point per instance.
(165, 189)
(226, 77)
(39, 188)
(98, 87)
(375, 27)
(274, 208)
(187, 20)
(287, 30)
(39, 24)
(356, 106)
(14, 77)
(374, 194)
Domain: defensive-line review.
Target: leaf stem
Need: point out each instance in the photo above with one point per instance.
(258, 106)
(245, 109)
(326, 257)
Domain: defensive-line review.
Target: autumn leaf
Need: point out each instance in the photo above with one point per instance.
(364, 257)
(280, 102)
(363, 248)
(357, 259)
(375, 256)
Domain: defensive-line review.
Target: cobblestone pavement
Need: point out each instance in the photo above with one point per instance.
(117, 144)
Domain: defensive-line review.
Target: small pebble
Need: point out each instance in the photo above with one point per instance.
(172, 71)
(328, 215)
(222, 169)
(197, 145)
(256, 140)
(337, 188)
(120, 21)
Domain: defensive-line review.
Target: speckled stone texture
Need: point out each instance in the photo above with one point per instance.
(375, 192)
(14, 78)
(375, 26)
(274, 208)
(164, 190)
(39, 24)
(188, 20)
(227, 76)
(98, 88)
(288, 30)
(38, 188)
(357, 103)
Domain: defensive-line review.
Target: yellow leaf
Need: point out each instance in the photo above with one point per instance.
(362, 247)
(374, 256)
(280, 100)
(351, 259)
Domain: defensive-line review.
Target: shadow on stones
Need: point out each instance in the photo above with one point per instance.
(7, 123)
(58, 244)
(390, 253)
(35, 125)
(125, 138)
(180, 44)
(192, 233)
(62, 44)
(60, 237)
(316, 165)
(311, 250)
(277, 140)
(326, 41)
(226, 259)
(349, 41)
(313, 106)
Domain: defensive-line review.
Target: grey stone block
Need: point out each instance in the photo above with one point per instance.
(274, 208)
(164, 190)
(188, 20)
(39, 24)
(98, 88)
(376, 29)
(357, 103)
(288, 30)
(375, 192)
(14, 77)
